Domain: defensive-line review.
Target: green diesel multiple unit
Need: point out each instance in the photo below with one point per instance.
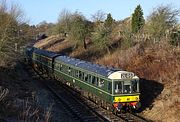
(112, 88)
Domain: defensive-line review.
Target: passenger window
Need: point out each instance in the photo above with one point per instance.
(64, 68)
(96, 80)
(109, 86)
(101, 83)
(61, 67)
(80, 74)
(89, 79)
(57, 66)
(77, 74)
(69, 70)
(86, 77)
(93, 79)
(82, 77)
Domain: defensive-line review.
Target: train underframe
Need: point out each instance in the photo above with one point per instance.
(125, 107)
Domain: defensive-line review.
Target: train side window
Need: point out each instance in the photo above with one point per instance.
(80, 74)
(94, 80)
(73, 72)
(101, 83)
(86, 77)
(89, 78)
(57, 66)
(77, 73)
(109, 86)
(60, 67)
(69, 70)
(63, 67)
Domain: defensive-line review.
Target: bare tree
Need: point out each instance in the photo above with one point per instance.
(162, 19)
(11, 18)
(64, 21)
(99, 16)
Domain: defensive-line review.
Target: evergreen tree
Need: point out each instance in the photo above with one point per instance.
(109, 21)
(137, 19)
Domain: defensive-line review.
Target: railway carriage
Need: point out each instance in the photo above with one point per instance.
(111, 88)
(43, 61)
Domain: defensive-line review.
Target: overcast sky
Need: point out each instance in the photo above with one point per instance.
(48, 10)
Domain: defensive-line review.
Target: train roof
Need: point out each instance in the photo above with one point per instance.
(46, 53)
(99, 69)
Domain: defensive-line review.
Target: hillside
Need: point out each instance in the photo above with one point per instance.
(157, 64)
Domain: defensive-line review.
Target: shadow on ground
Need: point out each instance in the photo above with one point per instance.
(150, 90)
(52, 43)
(66, 51)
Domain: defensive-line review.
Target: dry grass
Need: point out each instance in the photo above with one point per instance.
(32, 112)
(14, 88)
(61, 47)
(47, 42)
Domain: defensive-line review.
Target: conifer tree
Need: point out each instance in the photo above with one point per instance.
(137, 19)
(109, 21)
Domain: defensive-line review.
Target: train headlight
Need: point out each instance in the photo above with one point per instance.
(137, 98)
(119, 100)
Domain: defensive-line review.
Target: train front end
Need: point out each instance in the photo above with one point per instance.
(125, 91)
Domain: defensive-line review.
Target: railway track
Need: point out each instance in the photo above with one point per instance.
(82, 109)
(78, 109)
(75, 107)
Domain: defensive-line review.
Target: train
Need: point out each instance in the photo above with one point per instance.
(111, 88)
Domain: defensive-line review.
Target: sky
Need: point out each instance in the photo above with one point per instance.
(37, 11)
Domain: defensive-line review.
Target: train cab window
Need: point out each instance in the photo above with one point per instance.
(127, 87)
(135, 86)
(117, 87)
